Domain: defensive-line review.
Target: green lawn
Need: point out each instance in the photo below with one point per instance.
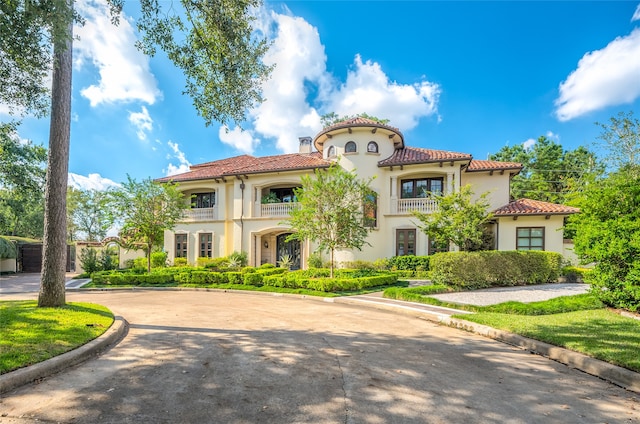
(581, 323)
(599, 333)
(31, 334)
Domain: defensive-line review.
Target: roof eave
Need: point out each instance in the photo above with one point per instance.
(380, 165)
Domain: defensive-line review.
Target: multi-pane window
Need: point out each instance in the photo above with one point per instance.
(331, 152)
(435, 247)
(420, 188)
(405, 242)
(371, 211)
(285, 195)
(203, 200)
(205, 242)
(350, 147)
(530, 238)
(181, 245)
(372, 147)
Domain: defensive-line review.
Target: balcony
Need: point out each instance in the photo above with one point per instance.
(277, 209)
(405, 206)
(200, 214)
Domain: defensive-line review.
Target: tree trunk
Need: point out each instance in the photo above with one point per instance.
(52, 286)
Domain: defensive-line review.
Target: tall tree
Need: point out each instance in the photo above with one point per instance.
(608, 234)
(212, 41)
(22, 176)
(550, 173)
(620, 139)
(147, 209)
(331, 211)
(459, 220)
(54, 241)
(91, 213)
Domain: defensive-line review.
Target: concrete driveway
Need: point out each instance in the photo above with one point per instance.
(213, 357)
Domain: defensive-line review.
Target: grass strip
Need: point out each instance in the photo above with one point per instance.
(31, 334)
(598, 333)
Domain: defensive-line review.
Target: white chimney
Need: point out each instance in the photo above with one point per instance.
(305, 144)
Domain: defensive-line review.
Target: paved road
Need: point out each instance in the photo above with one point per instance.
(212, 357)
(24, 283)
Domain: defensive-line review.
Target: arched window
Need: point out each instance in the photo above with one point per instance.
(331, 152)
(372, 147)
(350, 147)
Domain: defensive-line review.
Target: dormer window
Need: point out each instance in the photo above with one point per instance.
(331, 152)
(372, 147)
(350, 147)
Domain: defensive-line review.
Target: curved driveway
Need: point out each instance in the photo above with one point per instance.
(213, 357)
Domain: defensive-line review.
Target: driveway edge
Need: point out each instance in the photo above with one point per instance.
(14, 379)
(619, 376)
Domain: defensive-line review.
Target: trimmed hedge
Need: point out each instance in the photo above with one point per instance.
(476, 270)
(312, 279)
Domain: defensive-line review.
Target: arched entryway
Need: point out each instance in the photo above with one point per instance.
(288, 248)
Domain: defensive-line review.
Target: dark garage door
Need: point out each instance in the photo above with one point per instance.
(30, 258)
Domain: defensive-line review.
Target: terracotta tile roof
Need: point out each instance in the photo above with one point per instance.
(492, 165)
(409, 155)
(534, 207)
(246, 164)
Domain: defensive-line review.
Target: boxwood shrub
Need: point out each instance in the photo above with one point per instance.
(475, 270)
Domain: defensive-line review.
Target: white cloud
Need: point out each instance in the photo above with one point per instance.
(183, 163)
(91, 182)
(606, 77)
(300, 63)
(300, 73)
(636, 15)
(368, 89)
(124, 71)
(528, 144)
(553, 136)
(142, 122)
(239, 139)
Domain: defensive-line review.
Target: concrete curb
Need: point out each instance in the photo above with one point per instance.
(22, 376)
(619, 376)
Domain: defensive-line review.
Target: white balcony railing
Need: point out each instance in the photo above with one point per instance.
(277, 209)
(200, 214)
(421, 205)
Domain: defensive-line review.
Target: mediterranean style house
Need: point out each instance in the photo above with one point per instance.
(240, 203)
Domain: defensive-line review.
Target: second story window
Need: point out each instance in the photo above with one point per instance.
(421, 188)
(203, 200)
(372, 147)
(350, 147)
(331, 152)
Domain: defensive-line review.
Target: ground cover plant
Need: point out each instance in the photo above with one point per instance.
(31, 334)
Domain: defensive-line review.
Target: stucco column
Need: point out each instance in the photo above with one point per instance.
(450, 188)
(257, 203)
(394, 195)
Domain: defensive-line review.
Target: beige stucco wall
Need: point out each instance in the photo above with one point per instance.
(8, 265)
(123, 254)
(496, 184)
(553, 240)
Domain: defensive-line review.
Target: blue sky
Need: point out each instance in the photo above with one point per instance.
(462, 76)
